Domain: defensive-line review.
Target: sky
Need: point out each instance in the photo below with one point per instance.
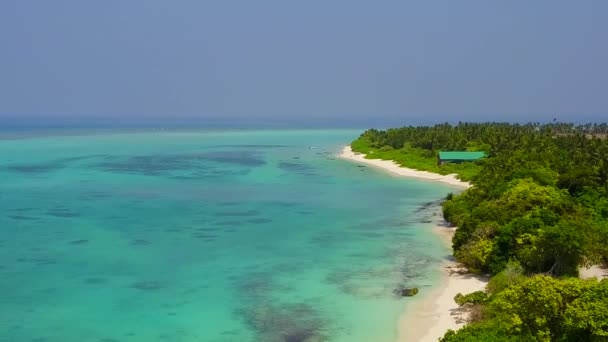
(327, 61)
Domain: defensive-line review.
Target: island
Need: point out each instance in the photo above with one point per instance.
(533, 217)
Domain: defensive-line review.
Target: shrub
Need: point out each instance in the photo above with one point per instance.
(477, 297)
(513, 274)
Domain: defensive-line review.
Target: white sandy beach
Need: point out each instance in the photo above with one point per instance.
(392, 167)
(599, 272)
(430, 317)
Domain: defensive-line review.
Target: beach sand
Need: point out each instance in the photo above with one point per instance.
(599, 272)
(429, 317)
(391, 166)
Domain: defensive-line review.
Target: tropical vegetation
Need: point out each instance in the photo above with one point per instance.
(537, 212)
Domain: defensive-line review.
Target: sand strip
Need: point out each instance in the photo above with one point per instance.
(391, 166)
(599, 271)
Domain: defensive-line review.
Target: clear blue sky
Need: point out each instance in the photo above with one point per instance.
(369, 62)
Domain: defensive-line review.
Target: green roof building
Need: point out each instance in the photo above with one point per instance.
(459, 156)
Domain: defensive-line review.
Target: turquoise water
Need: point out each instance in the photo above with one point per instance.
(206, 236)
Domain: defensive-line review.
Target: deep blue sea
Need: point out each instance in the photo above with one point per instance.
(234, 235)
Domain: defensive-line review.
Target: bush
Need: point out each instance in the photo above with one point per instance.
(477, 297)
(484, 331)
(476, 254)
(513, 274)
(540, 308)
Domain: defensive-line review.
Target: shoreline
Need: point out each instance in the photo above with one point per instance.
(394, 168)
(428, 318)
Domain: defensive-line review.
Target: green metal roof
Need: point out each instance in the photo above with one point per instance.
(461, 155)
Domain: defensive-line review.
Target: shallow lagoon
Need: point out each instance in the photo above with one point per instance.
(206, 236)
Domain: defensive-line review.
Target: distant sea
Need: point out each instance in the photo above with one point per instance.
(225, 235)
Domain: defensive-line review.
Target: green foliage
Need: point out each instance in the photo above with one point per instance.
(544, 227)
(530, 308)
(587, 316)
(596, 198)
(538, 307)
(542, 308)
(511, 275)
(477, 297)
(476, 254)
(485, 331)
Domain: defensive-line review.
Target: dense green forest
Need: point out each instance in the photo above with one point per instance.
(537, 211)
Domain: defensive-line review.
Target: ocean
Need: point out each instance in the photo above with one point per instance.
(220, 235)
